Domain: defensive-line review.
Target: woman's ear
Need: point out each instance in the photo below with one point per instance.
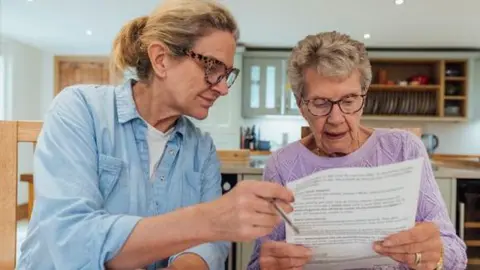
(157, 53)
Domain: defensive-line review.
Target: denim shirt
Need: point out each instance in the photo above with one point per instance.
(92, 186)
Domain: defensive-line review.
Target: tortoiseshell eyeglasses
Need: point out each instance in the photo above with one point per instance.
(215, 70)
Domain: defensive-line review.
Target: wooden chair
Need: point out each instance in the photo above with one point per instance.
(11, 134)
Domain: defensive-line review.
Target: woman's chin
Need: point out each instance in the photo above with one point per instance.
(199, 113)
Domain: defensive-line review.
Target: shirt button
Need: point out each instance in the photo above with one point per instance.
(171, 152)
(162, 178)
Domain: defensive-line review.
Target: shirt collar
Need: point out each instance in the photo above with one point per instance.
(127, 111)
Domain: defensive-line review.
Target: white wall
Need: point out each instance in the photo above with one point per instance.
(28, 91)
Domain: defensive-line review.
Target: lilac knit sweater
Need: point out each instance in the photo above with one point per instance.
(385, 146)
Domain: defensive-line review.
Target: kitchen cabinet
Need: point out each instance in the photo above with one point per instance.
(70, 70)
(266, 89)
(406, 86)
(263, 81)
(429, 89)
(244, 253)
(448, 189)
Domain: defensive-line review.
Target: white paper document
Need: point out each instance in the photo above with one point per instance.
(340, 213)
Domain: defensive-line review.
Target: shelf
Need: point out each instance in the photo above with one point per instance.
(412, 118)
(455, 97)
(472, 225)
(431, 87)
(472, 243)
(474, 261)
(454, 78)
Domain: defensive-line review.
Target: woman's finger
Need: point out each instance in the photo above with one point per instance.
(265, 206)
(265, 220)
(433, 244)
(427, 258)
(420, 233)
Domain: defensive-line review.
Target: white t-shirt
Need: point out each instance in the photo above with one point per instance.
(157, 141)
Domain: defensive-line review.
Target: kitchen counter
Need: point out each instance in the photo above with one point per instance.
(457, 169)
(253, 167)
(444, 169)
(445, 172)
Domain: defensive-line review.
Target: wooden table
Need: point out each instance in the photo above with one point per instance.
(28, 177)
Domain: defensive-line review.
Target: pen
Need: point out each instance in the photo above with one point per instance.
(285, 217)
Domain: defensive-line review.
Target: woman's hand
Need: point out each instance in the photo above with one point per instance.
(280, 255)
(245, 213)
(424, 240)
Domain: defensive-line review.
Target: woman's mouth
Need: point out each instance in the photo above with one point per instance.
(206, 102)
(334, 135)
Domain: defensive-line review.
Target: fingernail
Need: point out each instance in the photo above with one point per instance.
(387, 243)
(377, 247)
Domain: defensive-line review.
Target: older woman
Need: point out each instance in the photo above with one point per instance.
(123, 179)
(330, 74)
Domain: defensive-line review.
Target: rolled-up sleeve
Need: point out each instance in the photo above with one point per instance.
(432, 208)
(77, 232)
(215, 253)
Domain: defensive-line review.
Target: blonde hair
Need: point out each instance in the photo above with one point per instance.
(333, 55)
(176, 23)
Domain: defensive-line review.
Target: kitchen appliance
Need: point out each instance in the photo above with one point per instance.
(468, 218)
(431, 143)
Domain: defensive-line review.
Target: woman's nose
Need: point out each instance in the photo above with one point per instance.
(336, 115)
(221, 87)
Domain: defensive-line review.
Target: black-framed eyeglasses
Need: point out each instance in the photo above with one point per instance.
(348, 105)
(215, 70)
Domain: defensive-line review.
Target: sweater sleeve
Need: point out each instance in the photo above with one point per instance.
(432, 207)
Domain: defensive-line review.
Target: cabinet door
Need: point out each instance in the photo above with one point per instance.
(80, 70)
(291, 107)
(244, 253)
(262, 86)
(448, 188)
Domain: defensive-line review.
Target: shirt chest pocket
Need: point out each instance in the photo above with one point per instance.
(192, 188)
(109, 169)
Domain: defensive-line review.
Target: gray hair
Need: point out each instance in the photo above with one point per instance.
(332, 54)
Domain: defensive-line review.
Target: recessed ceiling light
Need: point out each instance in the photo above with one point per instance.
(30, 0)
(399, 2)
(366, 36)
(88, 32)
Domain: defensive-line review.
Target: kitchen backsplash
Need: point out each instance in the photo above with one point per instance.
(455, 138)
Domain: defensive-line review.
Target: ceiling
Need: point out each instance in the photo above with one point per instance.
(60, 26)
